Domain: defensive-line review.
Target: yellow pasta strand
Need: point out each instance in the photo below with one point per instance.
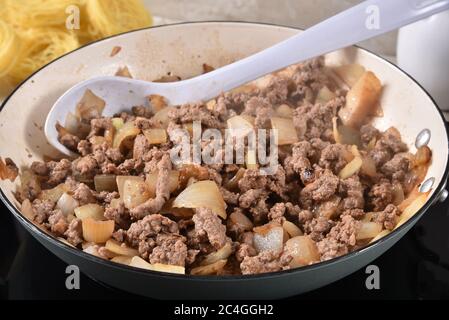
(34, 32)
(109, 17)
(9, 46)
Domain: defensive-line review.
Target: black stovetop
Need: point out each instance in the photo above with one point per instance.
(417, 267)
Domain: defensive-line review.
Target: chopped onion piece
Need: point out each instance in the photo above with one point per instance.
(351, 168)
(188, 171)
(118, 123)
(368, 166)
(105, 182)
(345, 135)
(303, 251)
(368, 216)
(284, 111)
(156, 135)
(27, 209)
(124, 137)
(234, 182)
(361, 100)
(122, 259)
(120, 180)
(93, 250)
(412, 208)
(324, 95)
(210, 269)
(161, 117)
(54, 194)
(328, 209)
(97, 231)
(251, 159)
(220, 254)
(422, 156)
(28, 182)
(189, 127)
(91, 210)
(72, 123)
(169, 268)
(240, 126)
(268, 237)
(135, 193)
(242, 221)
(182, 213)
(286, 130)
(120, 248)
(90, 106)
(151, 181)
(371, 144)
(202, 194)
(157, 102)
(67, 204)
(381, 234)
(350, 73)
(398, 193)
(61, 130)
(292, 229)
(211, 104)
(368, 230)
(8, 170)
(138, 262)
(97, 140)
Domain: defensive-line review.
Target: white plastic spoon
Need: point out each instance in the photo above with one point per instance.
(366, 20)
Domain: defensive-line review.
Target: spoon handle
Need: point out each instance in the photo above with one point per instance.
(366, 20)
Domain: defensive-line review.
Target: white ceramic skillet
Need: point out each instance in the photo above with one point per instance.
(181, 49)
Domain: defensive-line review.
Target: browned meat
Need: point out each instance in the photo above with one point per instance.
(368, 133)
(252, 179)
(397, 167)
(84, 194)
(170, 249)
(119, 214)
(70, 141)
(74, 232)
(333, 157)
(277, 213)
(320, 190)
(58, 222)
(266, 261)
(141, 111)
(141, 146)
(209, 224)
(353, 191)
(54, 172)
(317, 227)
(380, 195)
(196, 112)
(388, 217)
(154, 205)
(340, 239)
(42, 210)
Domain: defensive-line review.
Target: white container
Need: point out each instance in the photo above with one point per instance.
(423, 52)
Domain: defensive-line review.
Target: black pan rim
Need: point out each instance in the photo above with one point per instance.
(229, 278)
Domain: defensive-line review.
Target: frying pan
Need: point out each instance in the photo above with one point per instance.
(181, 49)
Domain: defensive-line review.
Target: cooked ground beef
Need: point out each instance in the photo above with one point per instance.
(307, 187)
(208, 224)
(266, 261)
